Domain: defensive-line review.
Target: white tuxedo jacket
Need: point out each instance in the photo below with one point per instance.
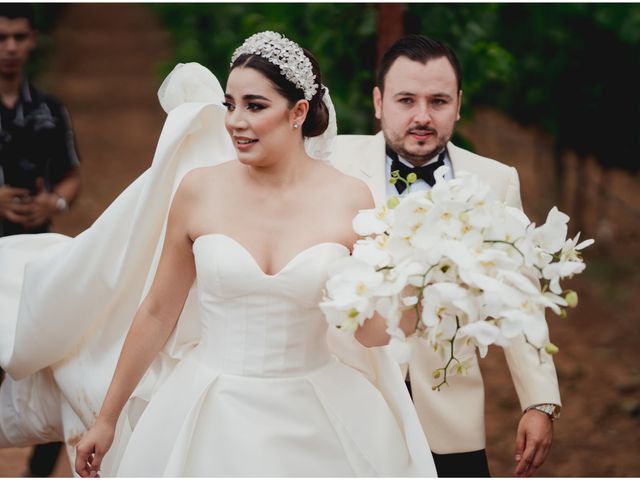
(453, 418)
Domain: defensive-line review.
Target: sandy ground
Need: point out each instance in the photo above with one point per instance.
(104, 70)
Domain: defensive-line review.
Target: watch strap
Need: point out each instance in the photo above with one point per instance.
(551, 409)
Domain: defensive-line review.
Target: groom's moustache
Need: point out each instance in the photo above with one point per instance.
(422, 129)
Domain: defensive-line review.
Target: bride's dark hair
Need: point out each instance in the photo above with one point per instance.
(317, 119)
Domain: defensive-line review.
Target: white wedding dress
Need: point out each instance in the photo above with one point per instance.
(261, 395)
(251, 383)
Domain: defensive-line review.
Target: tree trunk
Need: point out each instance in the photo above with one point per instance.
(560, 177)
(390, 29)
(605, 227)
(581, 198)
(390, 26)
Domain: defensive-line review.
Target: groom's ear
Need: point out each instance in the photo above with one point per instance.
(377, 102)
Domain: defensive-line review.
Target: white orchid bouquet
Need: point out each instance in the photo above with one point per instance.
(474, 270)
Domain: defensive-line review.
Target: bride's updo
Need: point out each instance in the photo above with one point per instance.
(317, 118)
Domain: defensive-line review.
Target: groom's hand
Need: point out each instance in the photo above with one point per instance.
(533, 442)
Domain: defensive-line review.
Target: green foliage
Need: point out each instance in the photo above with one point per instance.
(341, 36)
(46, 16)
(571, 68)
(469, 30)
(577, 75)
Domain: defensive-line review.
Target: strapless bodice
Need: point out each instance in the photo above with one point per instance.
(256, 324)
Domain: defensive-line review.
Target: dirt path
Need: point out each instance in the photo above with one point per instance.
(104, 69)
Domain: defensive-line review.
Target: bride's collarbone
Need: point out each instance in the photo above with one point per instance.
(275, 211)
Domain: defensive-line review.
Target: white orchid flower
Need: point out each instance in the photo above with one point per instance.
(403, 274)
(551, 236)
(473, 264)
(508, 295)
(519, 281)
(439, 174)
(389, 308)
(562, 269)
(484, 333)
(553, 301)
(372, 221)
(438, 298)
(571, 248)
(350, 292)
(371, 252)
(410, 214)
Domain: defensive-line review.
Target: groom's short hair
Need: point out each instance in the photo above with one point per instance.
(418, 48)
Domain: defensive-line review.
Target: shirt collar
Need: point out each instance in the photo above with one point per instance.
(25, 92)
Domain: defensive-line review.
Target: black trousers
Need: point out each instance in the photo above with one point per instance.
(466, 464)
(43, 459)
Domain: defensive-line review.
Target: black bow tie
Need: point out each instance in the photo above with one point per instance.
(425, 172)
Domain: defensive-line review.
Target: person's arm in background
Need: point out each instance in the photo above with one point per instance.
(11, 206)
(64, 176)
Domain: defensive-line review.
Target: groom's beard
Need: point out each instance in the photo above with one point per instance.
(416, 154)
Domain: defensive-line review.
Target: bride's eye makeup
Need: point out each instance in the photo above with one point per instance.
(255, 107)
(229, 106)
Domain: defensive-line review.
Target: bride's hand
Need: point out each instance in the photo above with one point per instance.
(92, 448)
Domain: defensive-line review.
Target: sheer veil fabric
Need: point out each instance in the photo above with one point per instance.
(66, 303)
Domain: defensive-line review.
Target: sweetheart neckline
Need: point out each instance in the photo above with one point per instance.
(255, 262)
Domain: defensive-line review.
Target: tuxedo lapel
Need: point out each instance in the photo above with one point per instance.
(460, 160)
(498, 176)
(372, 168)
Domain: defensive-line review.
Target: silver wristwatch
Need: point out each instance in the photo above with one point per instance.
(61, 203)
(551, 409)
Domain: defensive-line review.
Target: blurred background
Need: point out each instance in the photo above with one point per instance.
(552, 89)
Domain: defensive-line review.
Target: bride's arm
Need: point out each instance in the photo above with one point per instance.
(374, 331)
(151, 327)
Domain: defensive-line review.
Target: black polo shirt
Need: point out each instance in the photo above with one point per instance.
(36, 140)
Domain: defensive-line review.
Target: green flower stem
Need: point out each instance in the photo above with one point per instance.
(395, 176)
(537, 348)
(420, 296)
(452, 358)
(512, 244)
(388, 267)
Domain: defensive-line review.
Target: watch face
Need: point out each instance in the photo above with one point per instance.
(551, 410)
(61, 204)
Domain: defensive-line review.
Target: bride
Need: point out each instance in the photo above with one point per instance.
(256, 392)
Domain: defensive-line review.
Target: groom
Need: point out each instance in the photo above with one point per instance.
(417, 100)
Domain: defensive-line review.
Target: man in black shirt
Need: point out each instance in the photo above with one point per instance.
(39, 174)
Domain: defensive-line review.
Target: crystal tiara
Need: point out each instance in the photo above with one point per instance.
(284, 53)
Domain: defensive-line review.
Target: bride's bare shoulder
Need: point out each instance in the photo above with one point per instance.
(348, 189)
(208, 177)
